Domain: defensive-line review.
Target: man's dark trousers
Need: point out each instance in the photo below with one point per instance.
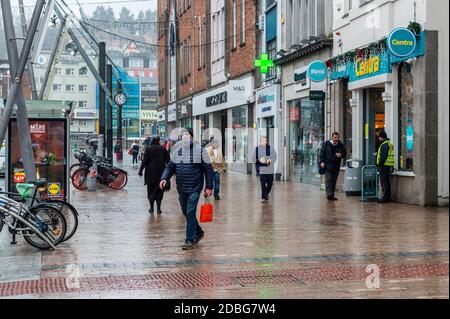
(385, 180)
(188, 203)
(266, 185)
(331, 178)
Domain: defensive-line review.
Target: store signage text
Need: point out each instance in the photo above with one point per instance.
(317, 71)
(367, 67)
(217, 99)
(402, 42)
(171, 113)
(149, 115)
(37, 129)
(265, 99)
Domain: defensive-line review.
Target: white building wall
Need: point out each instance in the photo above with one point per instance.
(437, 19)
(90, 96)
(373, 21)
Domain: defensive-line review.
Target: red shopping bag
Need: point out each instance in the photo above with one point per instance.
(206, 212)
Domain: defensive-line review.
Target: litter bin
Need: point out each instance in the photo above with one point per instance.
(92, 179)
(353, 177)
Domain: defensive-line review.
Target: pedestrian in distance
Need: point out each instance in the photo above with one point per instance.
(264, 158)
(331, 155)
(191, 166)
(385, 163)
(218, 164)
(154, 163)
(117, 150)
(134, 150)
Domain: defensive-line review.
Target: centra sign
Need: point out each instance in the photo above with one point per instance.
(368, 66)
(402, 42)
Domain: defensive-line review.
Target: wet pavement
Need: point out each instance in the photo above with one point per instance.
(298, 245)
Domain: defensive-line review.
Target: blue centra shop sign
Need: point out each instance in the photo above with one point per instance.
(377, 63)
(402, 42)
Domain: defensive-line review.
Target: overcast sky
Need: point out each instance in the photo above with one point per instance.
(90, 5)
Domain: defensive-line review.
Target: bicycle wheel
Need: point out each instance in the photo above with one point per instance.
(117, 179)
(50, 222)
(73, 168)
(70, 214)
(79, 179)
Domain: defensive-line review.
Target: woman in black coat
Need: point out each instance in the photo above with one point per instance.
(155, 160)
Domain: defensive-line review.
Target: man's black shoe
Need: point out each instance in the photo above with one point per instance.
(159, 211)
(334, 198)
(188, 245)
(200, 237)
(330, 198)
(151, 210)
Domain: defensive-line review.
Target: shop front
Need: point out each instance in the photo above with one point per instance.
(161, 121)
(384, 90)
(226, 113)
(304, 90)
(184, 114)
(148, 123)
(171, 121)
(269, 121)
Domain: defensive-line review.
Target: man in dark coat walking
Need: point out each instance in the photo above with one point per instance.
(331, 154)
(155, 160)
(191, 165)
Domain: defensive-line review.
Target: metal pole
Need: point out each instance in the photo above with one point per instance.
(109, 128)
(16, 94)
(42, 30)
(52, 56)
(119, 130)
(31, 77)
(102, 99)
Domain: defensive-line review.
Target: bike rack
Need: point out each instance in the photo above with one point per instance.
(12, 208)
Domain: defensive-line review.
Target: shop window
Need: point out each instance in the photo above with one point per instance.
(406, 116)
(239, 122)
(272, 51)
(306, 135)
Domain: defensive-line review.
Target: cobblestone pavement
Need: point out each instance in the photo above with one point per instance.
(295, 246)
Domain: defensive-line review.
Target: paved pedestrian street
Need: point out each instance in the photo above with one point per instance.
(297, 245)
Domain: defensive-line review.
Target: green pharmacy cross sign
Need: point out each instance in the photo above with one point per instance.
(264, 63)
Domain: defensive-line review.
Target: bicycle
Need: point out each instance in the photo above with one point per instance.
(68, 210)
(42, 226)
(115, 178)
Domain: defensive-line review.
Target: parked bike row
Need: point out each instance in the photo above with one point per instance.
(44, 223)
(106, 174)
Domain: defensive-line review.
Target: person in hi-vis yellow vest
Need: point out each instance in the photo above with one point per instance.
(385, 163)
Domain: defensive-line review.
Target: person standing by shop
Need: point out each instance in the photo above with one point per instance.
(190, 163)
(385, 163)
(331, 154)
(154, 162)
(218, 164)
(264, 158)
(135, 152)
(117, 150)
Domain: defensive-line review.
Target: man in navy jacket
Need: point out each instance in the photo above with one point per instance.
(190, 163)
